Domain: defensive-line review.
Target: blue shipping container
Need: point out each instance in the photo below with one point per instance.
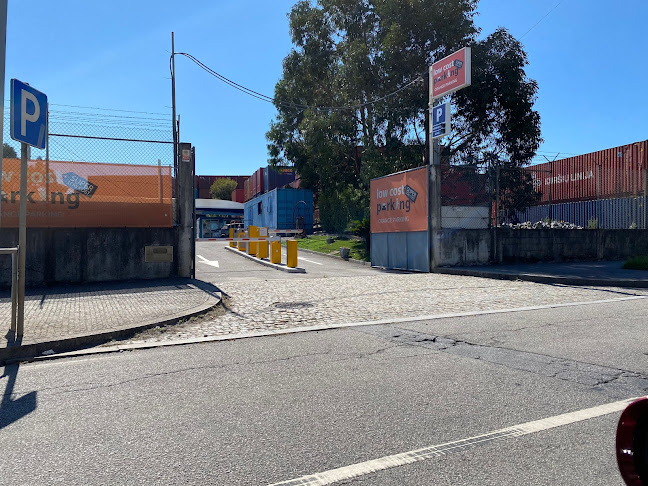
(281, 209)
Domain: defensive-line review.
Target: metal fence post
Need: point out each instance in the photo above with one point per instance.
(551, 193)
(497, 196)
(22, 240)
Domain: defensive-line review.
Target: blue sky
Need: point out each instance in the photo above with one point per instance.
(588, 58)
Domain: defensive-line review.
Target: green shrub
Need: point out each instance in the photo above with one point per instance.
(637, 263)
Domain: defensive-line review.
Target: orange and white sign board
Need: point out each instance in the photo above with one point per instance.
(399, 202)
(450, 73)
(63, 194)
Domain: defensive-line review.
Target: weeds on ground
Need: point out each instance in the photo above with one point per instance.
(637, 263)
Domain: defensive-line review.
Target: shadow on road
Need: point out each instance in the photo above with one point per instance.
(13, 410)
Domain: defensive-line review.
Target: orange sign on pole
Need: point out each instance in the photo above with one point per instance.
(450, 73)
(399, 202)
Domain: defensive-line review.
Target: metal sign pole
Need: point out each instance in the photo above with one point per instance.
(22, 240)
(3, 48)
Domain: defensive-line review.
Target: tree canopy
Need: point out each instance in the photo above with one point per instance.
(222, 188)
(8, 152)
(351, 53)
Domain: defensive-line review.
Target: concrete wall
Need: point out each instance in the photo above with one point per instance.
(479, 247)
(89, 254)
(464, 247)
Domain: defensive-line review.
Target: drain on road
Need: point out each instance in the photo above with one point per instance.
(292, 305)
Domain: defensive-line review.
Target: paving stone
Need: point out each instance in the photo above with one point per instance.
(257, 305)
(62, 312)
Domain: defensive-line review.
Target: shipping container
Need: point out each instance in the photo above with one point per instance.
(238, 195)
(617, 213)
(275, 178)
(246, 189)
(612, 173)
(281, 209)
(463, 186)
(203, 184)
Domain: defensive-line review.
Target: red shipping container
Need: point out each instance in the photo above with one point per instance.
(609, 173)
(238, 195)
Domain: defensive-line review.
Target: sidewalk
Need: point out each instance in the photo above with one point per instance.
(68, 317)
(603, 273)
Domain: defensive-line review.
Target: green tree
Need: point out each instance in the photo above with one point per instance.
(352, 52)
(222, 188)
(8, 152)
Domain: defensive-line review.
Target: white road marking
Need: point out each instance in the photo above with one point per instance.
(309, 261)
(362, 468)
(213, 263)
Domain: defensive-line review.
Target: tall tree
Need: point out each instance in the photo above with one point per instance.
(222, 188)
(352, 53)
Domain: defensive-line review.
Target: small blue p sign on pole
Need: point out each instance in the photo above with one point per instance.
(28, 115)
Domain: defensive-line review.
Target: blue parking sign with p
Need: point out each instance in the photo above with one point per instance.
(28, 115)
(441, 120)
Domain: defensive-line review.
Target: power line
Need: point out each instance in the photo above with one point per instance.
(544, 17)
(7, 101)
(269, 99)
(110, 109)
(103, 115)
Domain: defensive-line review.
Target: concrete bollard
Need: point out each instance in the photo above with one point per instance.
(252, 245)
(291, 246)
(241, 245)
(231, 235)
(262, 250)
(275, 252)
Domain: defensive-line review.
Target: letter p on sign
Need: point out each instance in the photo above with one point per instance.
(28, 114)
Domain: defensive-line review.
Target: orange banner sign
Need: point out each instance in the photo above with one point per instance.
(85, 194)
(450, 73)
(399, 202)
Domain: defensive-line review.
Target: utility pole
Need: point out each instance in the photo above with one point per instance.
(175, 131)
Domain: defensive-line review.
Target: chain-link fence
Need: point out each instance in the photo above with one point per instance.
(567, 196)
(98, 170)
(466, 198)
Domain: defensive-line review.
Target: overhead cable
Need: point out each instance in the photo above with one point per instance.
(270, 99)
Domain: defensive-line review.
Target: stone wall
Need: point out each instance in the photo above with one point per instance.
(503, 245)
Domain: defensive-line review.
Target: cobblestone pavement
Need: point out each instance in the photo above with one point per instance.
(71, 311)
(257, 305)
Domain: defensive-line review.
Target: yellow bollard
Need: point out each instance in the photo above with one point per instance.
(231, 235)
(291, 261)
(262, 251)
(275, 249)
(242, 246)
(252, 246)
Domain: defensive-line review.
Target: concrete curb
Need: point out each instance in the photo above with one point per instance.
(336, 257)
(317, 328)
(283, 268)
(67, 344)
(545, 279)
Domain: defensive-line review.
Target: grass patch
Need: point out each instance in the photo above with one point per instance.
(637, 263)
(357, 247)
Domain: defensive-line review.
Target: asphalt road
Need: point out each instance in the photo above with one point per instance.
(231, 266)
(269, 410)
